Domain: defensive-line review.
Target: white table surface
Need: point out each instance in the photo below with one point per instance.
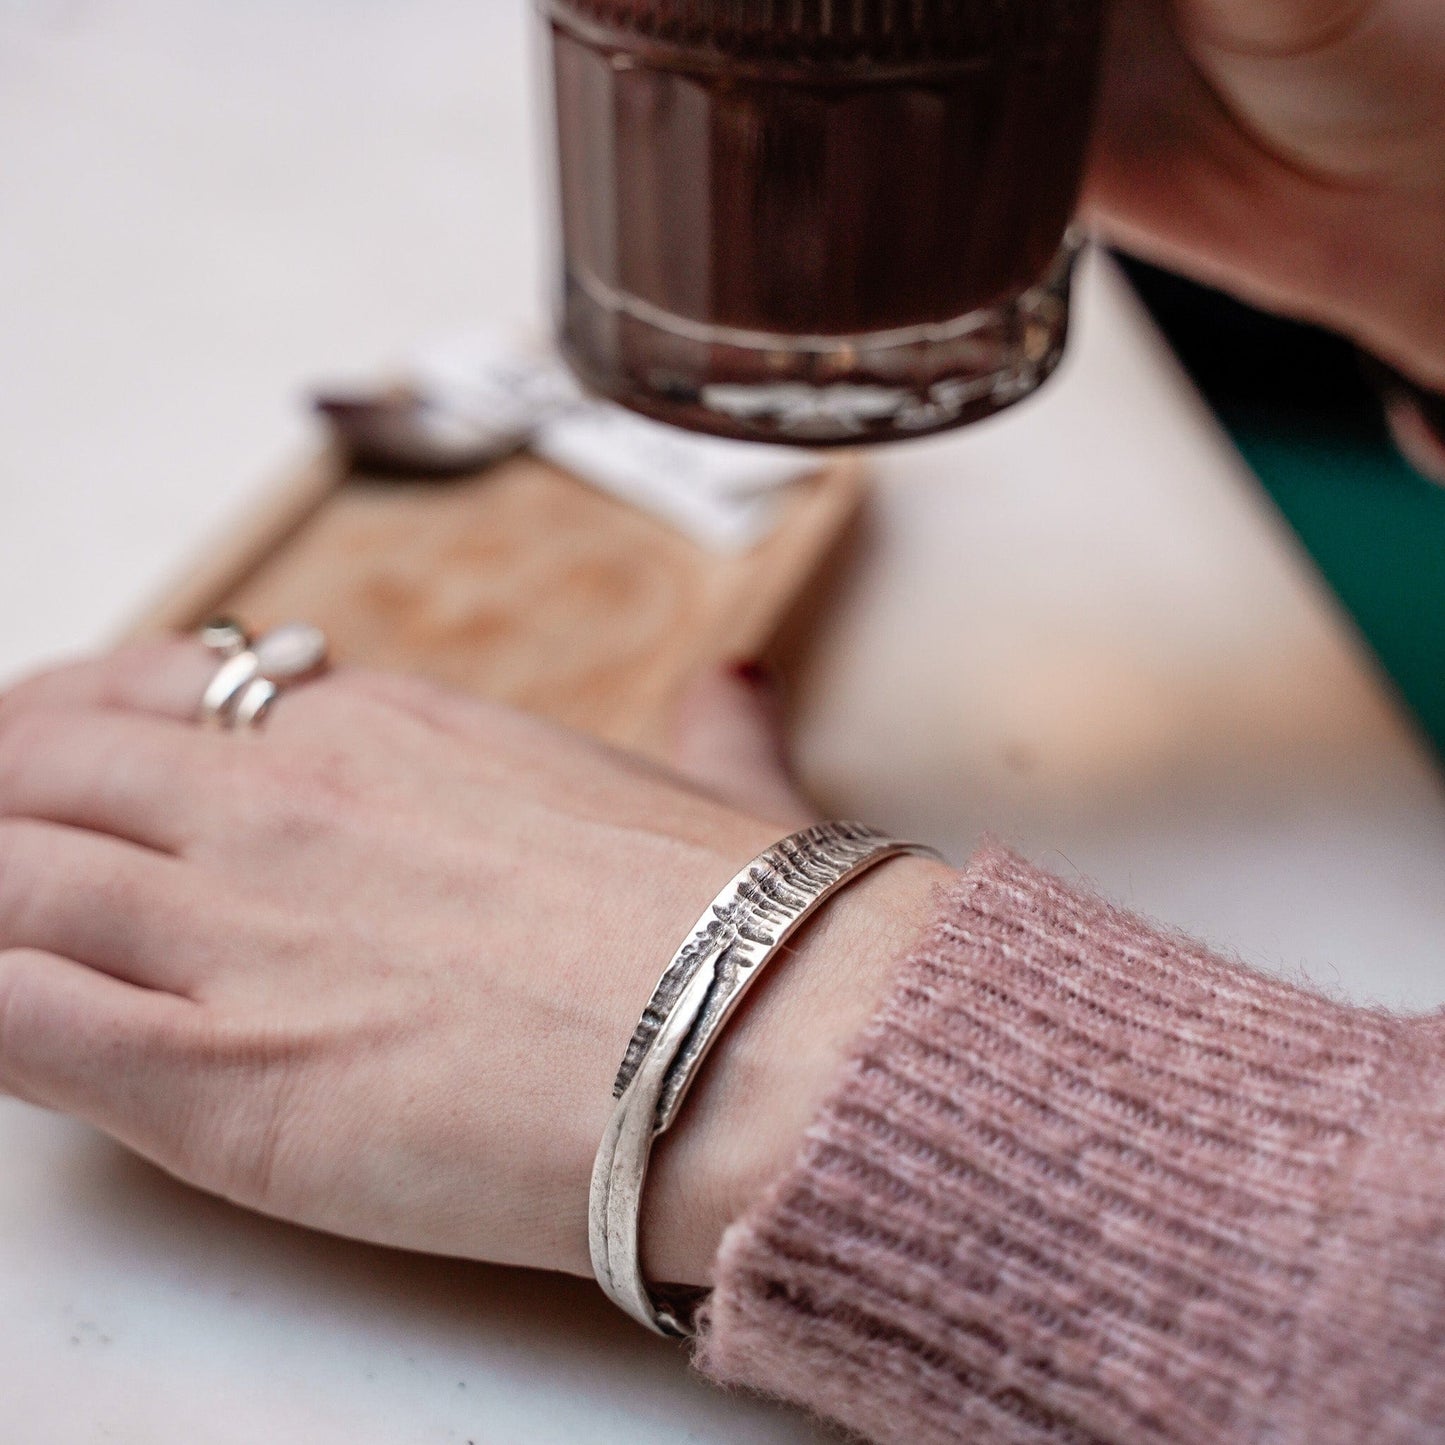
(1080, 627)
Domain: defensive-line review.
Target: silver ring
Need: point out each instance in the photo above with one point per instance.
(226, 685)
(254, 703)
(225, 637)
(247, 683)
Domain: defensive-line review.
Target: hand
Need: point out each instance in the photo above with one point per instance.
(1292, 151)
(373, 968)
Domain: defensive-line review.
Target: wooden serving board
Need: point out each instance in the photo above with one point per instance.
(519, 583)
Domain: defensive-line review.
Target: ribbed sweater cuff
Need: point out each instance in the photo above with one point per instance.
(1083, 1181)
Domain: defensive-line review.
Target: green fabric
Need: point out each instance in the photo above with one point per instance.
(1376, 529)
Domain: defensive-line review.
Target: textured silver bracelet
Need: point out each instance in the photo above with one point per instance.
(743, 928)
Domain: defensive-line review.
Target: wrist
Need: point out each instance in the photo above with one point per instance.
(745, 1120)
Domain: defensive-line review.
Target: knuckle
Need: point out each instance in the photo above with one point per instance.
(315, 791)
(18, 844)
(24, 738)
(33, 889)
(372, 684)
(118, 893)
(292, 807)
(20, 697)
(408, 698)
(43, 688)
(334, 782)
(41, 878)
(36, 740)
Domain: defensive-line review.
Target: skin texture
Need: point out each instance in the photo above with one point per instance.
(1291, 151)
(372, 970)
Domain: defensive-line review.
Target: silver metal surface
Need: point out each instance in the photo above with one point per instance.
(225, 637)
(253, 675)
(254, 703)
(226, 685)
(741, 931)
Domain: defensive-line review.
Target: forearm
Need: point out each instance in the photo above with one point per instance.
(764, 1084)
(1082, 1176)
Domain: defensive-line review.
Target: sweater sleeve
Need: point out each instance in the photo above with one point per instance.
(1082, 1181)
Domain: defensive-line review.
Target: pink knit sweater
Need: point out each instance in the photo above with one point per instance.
(1083, 1181)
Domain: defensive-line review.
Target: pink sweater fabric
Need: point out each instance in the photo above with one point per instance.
(1083, 1181)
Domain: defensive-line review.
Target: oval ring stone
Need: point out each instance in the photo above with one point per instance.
(291, 653)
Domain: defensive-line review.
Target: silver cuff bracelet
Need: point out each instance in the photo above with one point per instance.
(743, 928)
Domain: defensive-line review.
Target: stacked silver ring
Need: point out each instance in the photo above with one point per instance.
(253, 674)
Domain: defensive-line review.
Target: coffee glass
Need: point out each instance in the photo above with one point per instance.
(818, 221)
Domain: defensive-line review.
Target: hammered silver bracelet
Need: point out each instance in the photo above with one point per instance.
(742, 930)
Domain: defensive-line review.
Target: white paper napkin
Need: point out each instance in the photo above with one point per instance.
(723, 494)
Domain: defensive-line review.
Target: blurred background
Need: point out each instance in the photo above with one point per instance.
(205, 208)
(173, 183)
(1305, 415)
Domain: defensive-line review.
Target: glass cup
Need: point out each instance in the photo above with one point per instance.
(819, 221)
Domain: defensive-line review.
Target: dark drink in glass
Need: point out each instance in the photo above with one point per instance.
(819, 221)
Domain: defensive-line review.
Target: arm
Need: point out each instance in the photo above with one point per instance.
(1081, 1180)
(371, 970)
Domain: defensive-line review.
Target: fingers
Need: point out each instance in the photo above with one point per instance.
(135, 777)
(127, 911)
(728, 738)
(1347, 88)
(1275, 27)
(85, 1043)
(166, 678)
